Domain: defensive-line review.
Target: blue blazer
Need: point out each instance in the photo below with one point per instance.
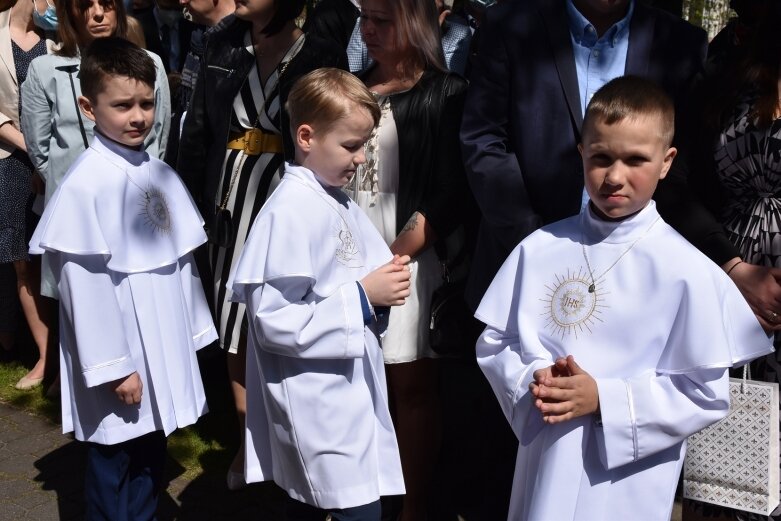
(522, 117)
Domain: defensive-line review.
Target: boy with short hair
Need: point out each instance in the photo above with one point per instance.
(120, 231)
(315, 276)
(609, 336)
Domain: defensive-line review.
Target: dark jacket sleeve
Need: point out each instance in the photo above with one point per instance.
(492, 167)
(447, 187)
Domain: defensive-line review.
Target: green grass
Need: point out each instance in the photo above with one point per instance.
(210, 443)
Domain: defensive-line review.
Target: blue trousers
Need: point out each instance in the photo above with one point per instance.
(298, 511)
(123, 481)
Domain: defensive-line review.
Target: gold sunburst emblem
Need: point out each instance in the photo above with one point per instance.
(570, 308)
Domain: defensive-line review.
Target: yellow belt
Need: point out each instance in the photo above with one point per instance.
(254, 142)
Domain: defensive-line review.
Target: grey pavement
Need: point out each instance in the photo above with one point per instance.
(42, 474)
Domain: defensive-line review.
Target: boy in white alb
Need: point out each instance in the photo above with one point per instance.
(609, 336)
(120, 231)
(314, 274)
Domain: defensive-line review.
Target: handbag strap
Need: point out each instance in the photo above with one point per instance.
(746, 377)
(70, 69)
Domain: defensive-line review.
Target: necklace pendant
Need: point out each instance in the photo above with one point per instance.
(591, 288)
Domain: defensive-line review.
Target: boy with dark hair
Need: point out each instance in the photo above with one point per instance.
(653, 324)
(120, 231)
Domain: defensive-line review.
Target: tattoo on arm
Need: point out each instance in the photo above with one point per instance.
(411, 224)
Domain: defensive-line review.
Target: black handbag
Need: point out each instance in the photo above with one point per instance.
(453, 328)
(220, 229)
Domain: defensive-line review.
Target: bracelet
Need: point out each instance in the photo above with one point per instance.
(733, 267)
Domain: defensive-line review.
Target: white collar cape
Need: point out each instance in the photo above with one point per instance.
(119, 202)
(293, 236)
(698, 318)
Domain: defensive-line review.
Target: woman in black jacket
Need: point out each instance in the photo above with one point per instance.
(234, 142)
(414, 189)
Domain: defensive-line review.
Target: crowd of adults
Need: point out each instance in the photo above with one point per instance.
(476, 148)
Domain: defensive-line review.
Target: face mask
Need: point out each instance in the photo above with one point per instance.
(48, 20)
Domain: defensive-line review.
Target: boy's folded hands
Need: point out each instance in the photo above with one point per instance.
(388, 285)
(564, 391)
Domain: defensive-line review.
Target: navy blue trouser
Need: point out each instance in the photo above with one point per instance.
(298, 511)
(123, 481)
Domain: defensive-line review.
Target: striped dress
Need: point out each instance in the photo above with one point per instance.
(256, 105)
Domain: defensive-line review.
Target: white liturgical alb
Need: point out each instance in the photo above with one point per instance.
(317, 415)
(652, 320)
(119, 232)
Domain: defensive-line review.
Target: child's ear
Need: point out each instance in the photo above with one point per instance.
(304, 137)
(580, 149)
(86, 108)
(668, 161)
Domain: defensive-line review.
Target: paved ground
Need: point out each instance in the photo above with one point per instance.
(41, 476)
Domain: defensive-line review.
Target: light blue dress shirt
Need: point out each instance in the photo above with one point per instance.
(597, 59)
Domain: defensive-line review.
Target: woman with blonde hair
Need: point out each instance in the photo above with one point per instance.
(413, 187)
(21, 40)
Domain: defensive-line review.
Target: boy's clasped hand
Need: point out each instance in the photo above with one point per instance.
(564, 391)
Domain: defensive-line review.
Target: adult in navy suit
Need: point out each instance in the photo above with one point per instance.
(524, 111)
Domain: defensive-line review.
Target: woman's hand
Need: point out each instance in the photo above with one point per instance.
(761, 287)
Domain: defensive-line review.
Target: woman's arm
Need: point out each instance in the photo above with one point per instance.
(11, 135)
(36, 119)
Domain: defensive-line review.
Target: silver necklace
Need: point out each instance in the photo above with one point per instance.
(154, 207)
(593, 286)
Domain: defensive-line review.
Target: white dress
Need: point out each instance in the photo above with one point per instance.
(375, 192)
(317, 413)
(119, 231)
(657, 334)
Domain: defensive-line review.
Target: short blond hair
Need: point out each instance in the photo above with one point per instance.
(324, 96)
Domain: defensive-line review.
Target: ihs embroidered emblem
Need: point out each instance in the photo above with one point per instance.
(570, 306)
(155, 210)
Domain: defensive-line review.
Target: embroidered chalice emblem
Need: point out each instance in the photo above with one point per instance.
(570, 306)
(347, 249)
(155, 210)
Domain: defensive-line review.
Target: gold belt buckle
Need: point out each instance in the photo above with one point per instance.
(253, 142)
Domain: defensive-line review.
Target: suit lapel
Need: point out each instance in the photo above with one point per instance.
(554, 15)
(641, 34)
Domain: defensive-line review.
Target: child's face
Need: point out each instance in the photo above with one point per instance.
(623, 163)
(124, 111)
(335, 154)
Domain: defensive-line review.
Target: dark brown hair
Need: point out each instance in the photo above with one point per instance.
(631, 97)
(284, 11)
(113, 56)
(7, 4)
(70, 15)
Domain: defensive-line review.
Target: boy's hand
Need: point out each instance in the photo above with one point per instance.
(564, 391)
(389, 284)
(129, 389)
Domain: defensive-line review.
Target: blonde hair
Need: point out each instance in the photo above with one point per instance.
(417, 24)
(135, 33)
(326, 95)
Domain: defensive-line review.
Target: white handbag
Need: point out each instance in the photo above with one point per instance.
(735, 463)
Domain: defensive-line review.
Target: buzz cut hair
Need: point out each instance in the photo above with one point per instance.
(324, 96)
(113, 56)
(632, 97)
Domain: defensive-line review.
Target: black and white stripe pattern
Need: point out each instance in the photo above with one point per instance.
(256, 179)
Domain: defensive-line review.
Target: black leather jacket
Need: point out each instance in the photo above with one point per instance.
(432, 180)
(224, 68)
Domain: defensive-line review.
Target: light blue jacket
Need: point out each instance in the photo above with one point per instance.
(50, 119)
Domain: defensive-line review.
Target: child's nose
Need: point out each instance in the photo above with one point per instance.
(360, 157)
(615, 174)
